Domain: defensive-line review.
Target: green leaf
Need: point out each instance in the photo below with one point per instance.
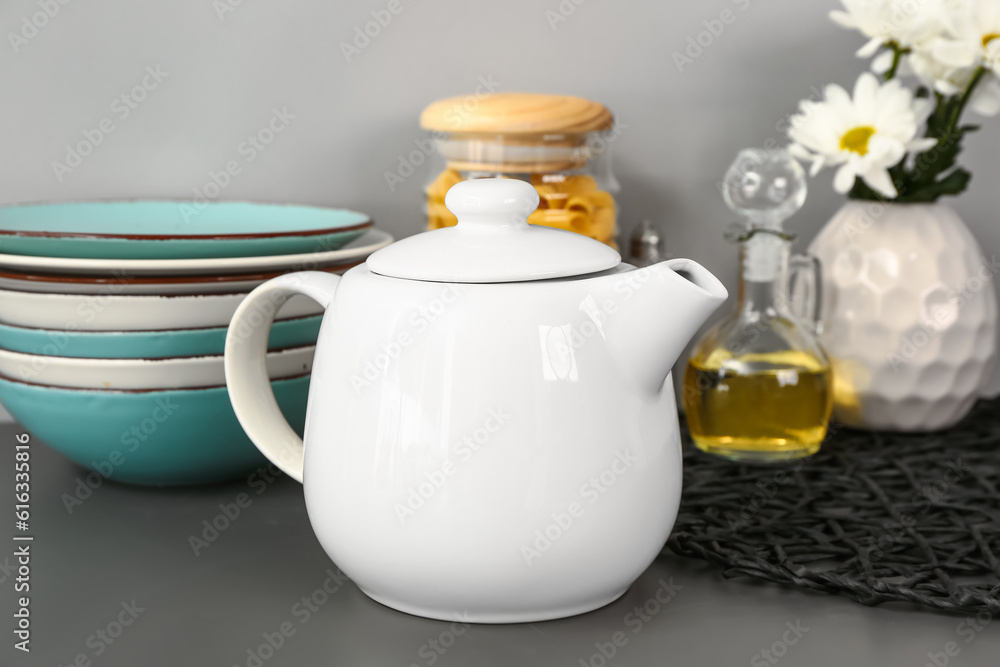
(953, 184)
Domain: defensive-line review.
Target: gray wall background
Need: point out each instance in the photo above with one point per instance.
(231, 62)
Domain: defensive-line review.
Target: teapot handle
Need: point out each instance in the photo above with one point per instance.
(246, 374)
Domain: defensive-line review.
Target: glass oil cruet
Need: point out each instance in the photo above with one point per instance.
(758, 386)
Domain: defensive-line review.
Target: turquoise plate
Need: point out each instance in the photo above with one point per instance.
(174, 229)
(177, 436)
(148, 344)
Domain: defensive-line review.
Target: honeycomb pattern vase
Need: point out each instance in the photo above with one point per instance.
(909, 315)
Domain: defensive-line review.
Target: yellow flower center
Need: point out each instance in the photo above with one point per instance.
(989, 38)
(857, 139)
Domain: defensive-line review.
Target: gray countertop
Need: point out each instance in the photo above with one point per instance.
(116, 580)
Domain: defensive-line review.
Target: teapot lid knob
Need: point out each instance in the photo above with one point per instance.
(504, 205)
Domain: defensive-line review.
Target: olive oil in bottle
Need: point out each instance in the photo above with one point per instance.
(765, 406)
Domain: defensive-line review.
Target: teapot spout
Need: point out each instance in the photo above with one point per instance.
(661, 307)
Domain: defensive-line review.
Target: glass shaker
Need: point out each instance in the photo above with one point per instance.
(646, 245)
(758, 386)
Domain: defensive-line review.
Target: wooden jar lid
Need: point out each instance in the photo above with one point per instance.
(516, 113)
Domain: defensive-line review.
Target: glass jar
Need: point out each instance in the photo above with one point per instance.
(559, 144)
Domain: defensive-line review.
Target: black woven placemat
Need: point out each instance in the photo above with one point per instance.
(877, 517)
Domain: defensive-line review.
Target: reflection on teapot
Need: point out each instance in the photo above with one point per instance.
(490, 434)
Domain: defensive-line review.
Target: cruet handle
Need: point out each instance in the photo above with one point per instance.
(804, 280)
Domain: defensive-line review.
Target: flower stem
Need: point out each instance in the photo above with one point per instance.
(956, 115)
(897, 58)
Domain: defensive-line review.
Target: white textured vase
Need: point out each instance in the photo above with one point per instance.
(909, 313)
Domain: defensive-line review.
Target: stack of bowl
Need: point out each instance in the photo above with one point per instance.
(113, 319)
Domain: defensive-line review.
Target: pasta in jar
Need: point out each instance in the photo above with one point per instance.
(549, 141)
(572, 203)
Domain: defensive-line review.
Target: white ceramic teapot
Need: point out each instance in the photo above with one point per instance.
(491, 433)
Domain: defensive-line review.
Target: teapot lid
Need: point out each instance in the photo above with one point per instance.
(492, 242)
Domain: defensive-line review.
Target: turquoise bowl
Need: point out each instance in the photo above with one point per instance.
(168, 437)
(148, 344)
(174, 229)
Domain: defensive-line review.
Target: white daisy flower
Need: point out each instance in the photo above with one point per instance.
(950, 81)
(863, 136)
(904, 22)
(947, 63)
(974, 39)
